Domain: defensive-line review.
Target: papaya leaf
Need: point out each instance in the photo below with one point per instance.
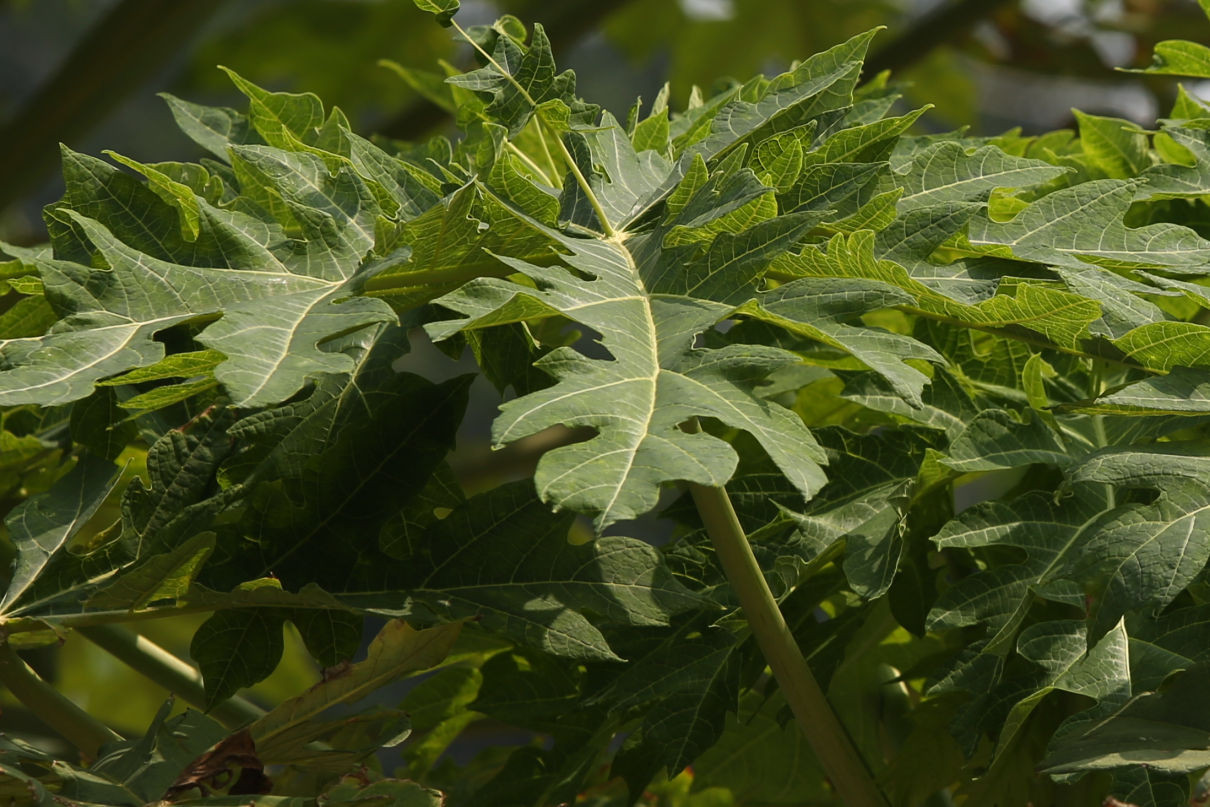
(1083, 224)
(647, 313)
(505, 560)
(42, 525)
(237, 648)
(397, 650)
(1166, 731)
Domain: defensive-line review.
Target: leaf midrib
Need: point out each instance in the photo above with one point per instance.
(652, 380)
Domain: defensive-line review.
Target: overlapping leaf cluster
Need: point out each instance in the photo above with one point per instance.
(956, 387)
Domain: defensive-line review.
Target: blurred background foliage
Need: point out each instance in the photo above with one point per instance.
(86, 73)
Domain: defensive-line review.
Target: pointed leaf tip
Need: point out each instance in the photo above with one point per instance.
(443, 10)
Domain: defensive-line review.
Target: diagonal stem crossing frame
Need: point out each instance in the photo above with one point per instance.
(827, 737)
(51, 706)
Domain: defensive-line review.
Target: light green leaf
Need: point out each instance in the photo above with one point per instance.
(1122, 307)
(654, 131)
(1179, 180)
(284, 120)
(1178, 57)
(212, 128)
(1186, 106)
(620, 177)
(864, 143)
(444, 10)
(818, 308)
(28, 316)
(452, 243)
(1033, 379)
(819, 85)
(1083, 224)
(1165, 345)
(1184, 391)
(723, 201)
(162, 576)
(167, 395)
(1115, 147)
(273, 318)
(839, 189)
(178, 365)
(1060, 316)
(520, 79)
(780, 160)
(175, 193)
(648, 310)
(946, 173)
(876, 214)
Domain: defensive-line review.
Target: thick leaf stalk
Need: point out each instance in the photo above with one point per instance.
(998, 347)
(828, 739)
(76, 726)
(165, 669)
